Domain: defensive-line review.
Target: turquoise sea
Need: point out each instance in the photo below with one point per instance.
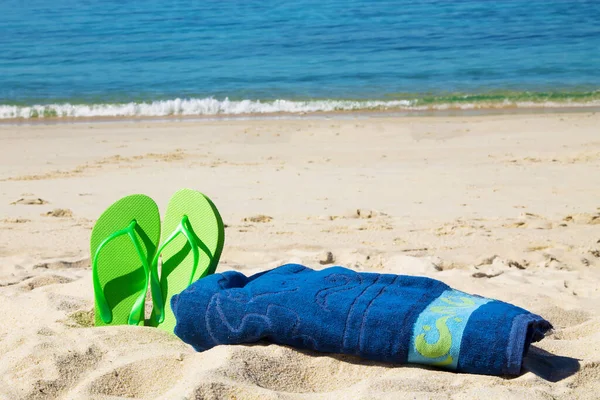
(67, 58)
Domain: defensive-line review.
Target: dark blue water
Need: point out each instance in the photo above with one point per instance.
(411, 52)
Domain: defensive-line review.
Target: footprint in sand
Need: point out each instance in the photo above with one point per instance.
(45, 280)
(584, 218)
(533, 221)
(299, 369)
(16, 220)
(491, 267)
(30, 201)
(258, 218)
(59, 213)
(70, 366)
(140, 379)
(62, 264)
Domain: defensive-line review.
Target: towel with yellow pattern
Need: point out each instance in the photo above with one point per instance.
(383, 317)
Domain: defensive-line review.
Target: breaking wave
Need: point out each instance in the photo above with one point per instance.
(215, 107)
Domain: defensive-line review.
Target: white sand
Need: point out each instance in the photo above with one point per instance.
(439, 196)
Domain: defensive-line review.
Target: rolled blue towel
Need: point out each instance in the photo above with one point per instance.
(383, 317)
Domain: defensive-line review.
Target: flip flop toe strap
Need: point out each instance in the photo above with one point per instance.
(184, 229)
(102, 303)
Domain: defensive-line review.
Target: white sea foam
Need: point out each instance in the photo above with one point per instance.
(212, 107)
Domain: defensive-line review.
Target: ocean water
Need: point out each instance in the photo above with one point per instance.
(68, 58)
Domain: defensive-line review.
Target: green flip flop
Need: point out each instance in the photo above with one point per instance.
(122, 247)
(192, 242)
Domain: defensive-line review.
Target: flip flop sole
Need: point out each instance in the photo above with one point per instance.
(177, 257)
(119, 268)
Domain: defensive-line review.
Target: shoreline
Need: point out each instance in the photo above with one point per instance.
(317, 115)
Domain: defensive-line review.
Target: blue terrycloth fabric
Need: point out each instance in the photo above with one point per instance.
(383, 317)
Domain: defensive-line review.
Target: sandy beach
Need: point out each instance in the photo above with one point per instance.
(504, 206)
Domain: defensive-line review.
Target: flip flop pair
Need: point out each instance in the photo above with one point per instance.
(126, 246)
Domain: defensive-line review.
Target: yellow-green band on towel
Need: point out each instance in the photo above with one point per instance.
(438, 332)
